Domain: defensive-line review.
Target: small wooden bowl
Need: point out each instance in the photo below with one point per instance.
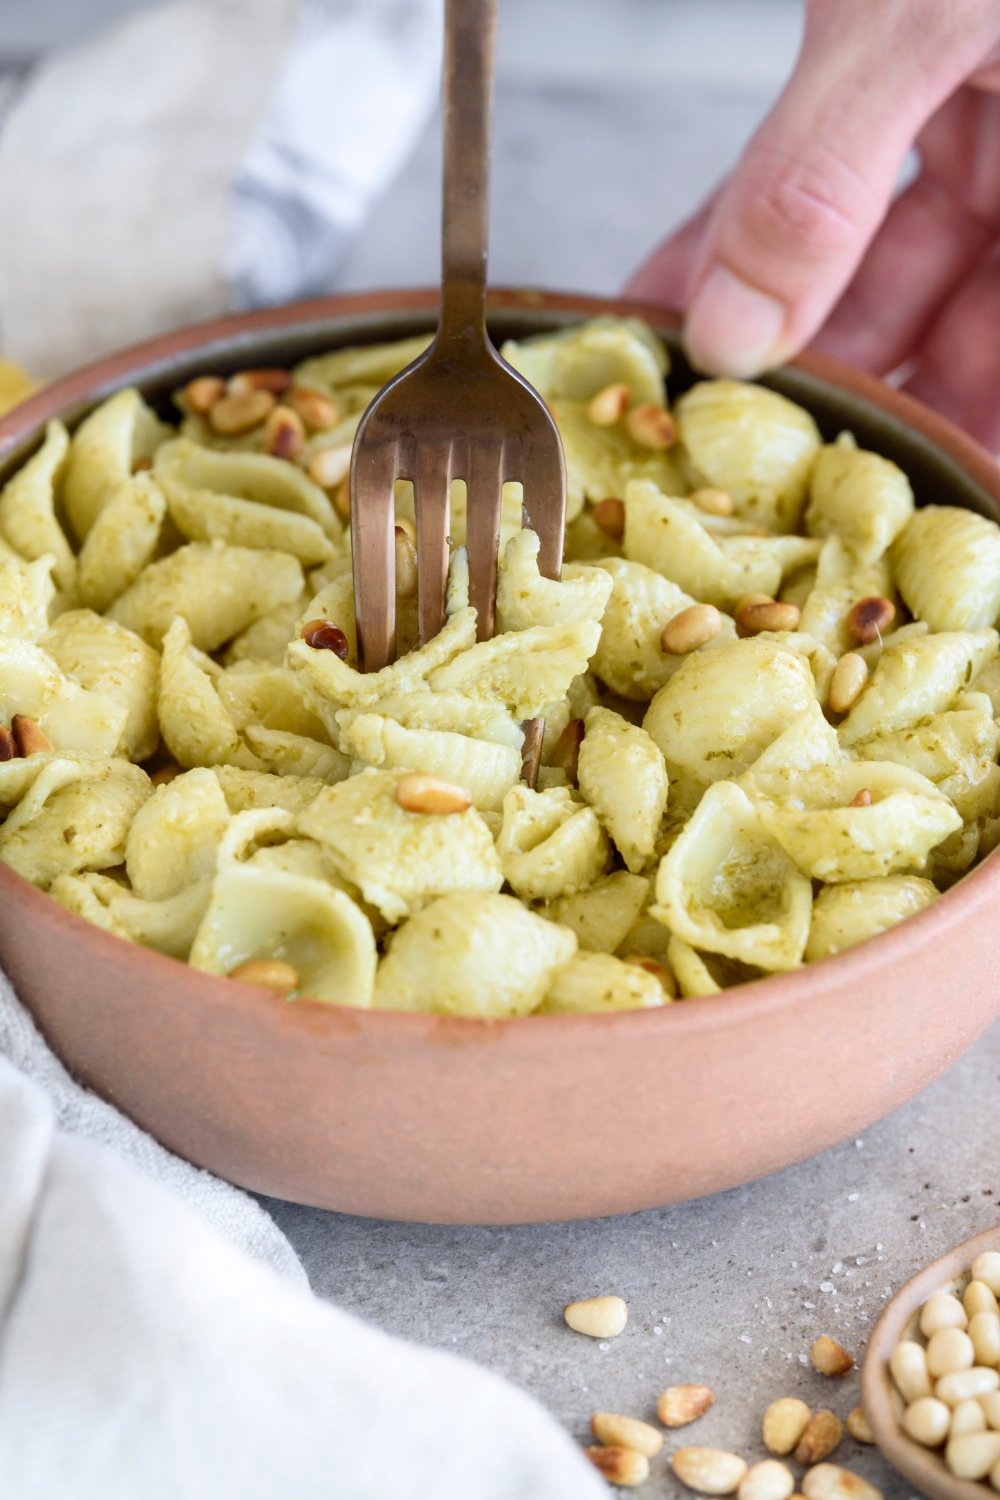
(882, 1403)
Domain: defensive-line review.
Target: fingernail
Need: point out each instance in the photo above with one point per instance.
(731, 328)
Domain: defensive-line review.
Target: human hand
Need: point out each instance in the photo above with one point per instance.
(804, 243)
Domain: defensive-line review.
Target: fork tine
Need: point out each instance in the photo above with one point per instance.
(374, 554)
(545, 496)
(431, 494)
(484, 486)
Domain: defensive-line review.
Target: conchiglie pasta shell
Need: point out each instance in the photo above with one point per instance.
(947, 564)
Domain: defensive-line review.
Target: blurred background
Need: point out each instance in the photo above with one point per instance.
(127, 126)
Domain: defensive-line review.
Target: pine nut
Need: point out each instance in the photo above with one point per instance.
(432, 795)
(755, 614)
(328, 466)
(861, 799)
(315, 409)
(989, 1405)
(979, 1298)
(681, 1404)
(986, 1267)
(165, 775)
(927, 1421)
(653, 966)
(284, 433)
(598, 1317)
(830, 1482)
(963, 1385)
(609, 515)
(710, 1471)
(271, 379)
(142, 464)
(622, 1466)
(712, 502)
(869, 619)
(323, 636)
(566, 750)
(829, 1358)
(847, 683)
(651, 427)
(858, 1426)
(235, 414)
(968, 1416)
(8, 749)
(403, 523)
(820, 1438)
(972, 1455)
(201, 394)
(942, 1311)
(950, 1350)
(693, 628)
(342, 498)
(784, 1423)
(908, 1366)
(768, 1480)
(406, 565)
(609, 405)
(625, 1432)
(268, 973)
(28, 738)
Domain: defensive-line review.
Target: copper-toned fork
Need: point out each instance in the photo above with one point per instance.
(459, 411)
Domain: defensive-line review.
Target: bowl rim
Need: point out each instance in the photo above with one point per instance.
(142, 362)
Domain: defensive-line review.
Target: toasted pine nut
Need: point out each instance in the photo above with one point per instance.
(869, 619)
(28, 738)
(201, 394)
(651, 427)
(284, 433)
(963, 1385)
(967, 1416)
(316, 410)
(766, 1481)
(653, 966)
(268, 973)
(848, 680)
(908, 1366)
(713, 502)
(972, 1455)
(784, 1423)
(829, 1482)
(8, 749)
(323, 636)
(235, 414)
(622, 1466)
(681, 1404)
(984, 1331)
(858, 1426)
(566, 750)
(419, 793)
(142, 464)
(269, 379)
(829, 1357)
(862, 798)
(986, 1267)
(328, 466)
(823, 1432)
(978, 1298)
(989, 1405)
(598, 1317)
(948, 1351)
(609, 515)
(927, 1420)
(406, 565)
(625, 1432)
(693, 628)
(609, 405)
(403, 523)
(165, 775)
(942, 1311)
(342, 498)
(755, 614)
(710, 1471)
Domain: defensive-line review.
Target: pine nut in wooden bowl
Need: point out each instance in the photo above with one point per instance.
(884, 1406)
(512, 1119)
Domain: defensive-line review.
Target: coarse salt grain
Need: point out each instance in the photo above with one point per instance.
(853, 1197)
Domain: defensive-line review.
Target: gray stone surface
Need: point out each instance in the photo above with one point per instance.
(729, 1290)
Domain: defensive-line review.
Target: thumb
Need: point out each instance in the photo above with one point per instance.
(814, 183)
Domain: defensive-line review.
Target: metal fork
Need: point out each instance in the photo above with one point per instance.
(459, 411)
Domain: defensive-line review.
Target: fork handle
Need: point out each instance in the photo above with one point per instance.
(469, 49)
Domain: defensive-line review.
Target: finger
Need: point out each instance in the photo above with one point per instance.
(818, 177)
(959, 360)
(665, 276)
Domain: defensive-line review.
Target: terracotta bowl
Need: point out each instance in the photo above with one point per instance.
(884, 1406)
(489, 1122)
